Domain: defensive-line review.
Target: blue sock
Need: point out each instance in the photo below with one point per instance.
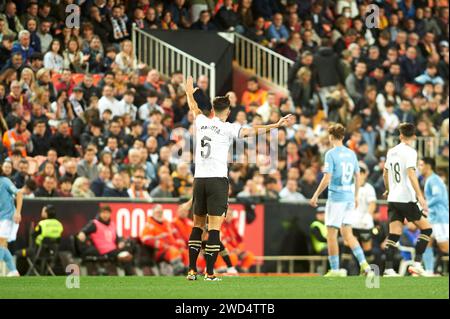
(334, 262)
(359, 254)
(428, 259)
(7, 258)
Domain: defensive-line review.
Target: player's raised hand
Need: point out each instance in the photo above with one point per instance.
(284, 120)
(189, 85)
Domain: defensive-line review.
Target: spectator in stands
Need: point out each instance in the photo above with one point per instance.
(125, 60)
(108, 101)
(153, 82)
(35, 42)
(253, 93)
(180, 13)
(13, 24)
(137, 188)
(88, 87)
(183, 180)
(81, 188)
(115, 188)
(410, 66)
(48, 188)
(302, 92)
(126, 106)
(227, 19)
(291, 49)
(429, 76)
(53, 59)
(257, 32)
(98, 185)
(204, 22)
(44, 35)
(165, 189)
(62, 141)
(65, 187)
(43, 80)
(66, 82)
(151, 19)
(167, 22)
(290, 192)
(357, 82)
(405, 112)
(18, 134)
(118, 25)
(87, 166)
(95, 52)
(23, 46)
(6, 49)
(277, 32)
(102, 233)
(21, 175)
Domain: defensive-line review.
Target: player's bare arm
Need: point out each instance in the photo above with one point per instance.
(415, 184)
(322, 186)
(190, 90)
(261, 129)
(386, 182)
(19, 202)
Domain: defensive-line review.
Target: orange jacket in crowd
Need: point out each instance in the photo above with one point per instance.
(230, 235)
(248, 97)
(11, 137)
(183, 228)
(159, 235)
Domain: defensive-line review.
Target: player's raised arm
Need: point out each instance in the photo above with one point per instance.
(189, 87)
(258, 129)
(415, 184)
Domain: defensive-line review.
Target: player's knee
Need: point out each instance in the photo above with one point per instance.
(199, 221)
(215, 222)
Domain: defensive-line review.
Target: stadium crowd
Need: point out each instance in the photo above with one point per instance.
(81, 117)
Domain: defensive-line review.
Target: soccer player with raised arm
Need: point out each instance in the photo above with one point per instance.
(213, 138)
(341, 175)
(403, 191)
(437, 200)
(10, 217)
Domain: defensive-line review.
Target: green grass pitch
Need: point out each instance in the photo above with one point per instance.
(264, 287)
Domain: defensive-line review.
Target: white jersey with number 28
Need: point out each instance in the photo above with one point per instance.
(213, 139)
(399, 159)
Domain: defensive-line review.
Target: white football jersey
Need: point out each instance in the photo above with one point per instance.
(363, 219)
(213, 139)
(398, 160)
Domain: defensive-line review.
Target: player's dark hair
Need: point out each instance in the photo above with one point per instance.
(337, 130)
(430, 161)
(221, 103)
(407, 129)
